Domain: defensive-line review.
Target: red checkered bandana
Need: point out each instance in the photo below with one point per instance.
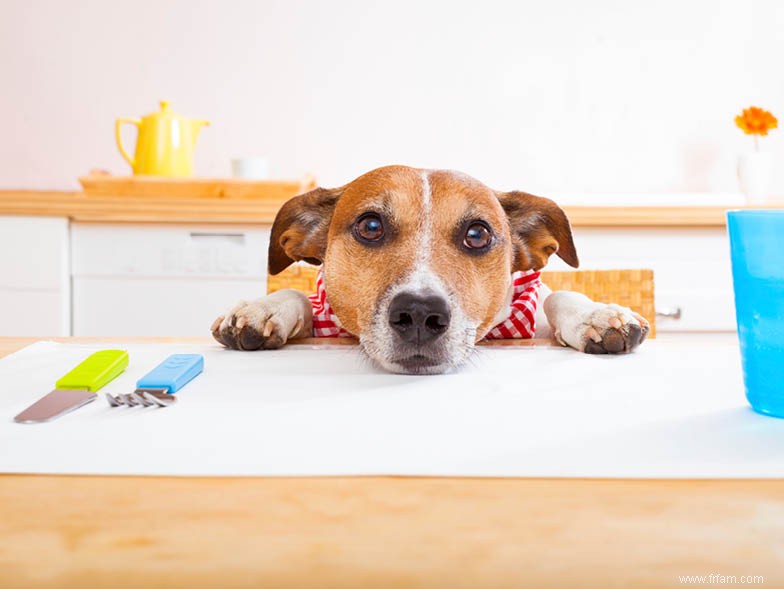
(520, 322)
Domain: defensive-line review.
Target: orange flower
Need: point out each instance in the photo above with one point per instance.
(756, 121)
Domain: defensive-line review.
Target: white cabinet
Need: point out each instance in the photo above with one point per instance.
(34, 276)
(173, 280)
(162, 280)
(691, 267)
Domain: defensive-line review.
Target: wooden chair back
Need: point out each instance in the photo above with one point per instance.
(631, 288)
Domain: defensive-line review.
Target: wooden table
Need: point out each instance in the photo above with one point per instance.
(377, 532)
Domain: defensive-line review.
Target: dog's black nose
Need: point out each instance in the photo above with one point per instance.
(419, 319)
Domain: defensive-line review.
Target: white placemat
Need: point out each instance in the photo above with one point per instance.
(672, 409)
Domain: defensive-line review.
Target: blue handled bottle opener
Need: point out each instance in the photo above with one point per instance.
(158, 386)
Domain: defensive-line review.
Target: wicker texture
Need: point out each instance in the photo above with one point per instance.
(300, 277)
(630, 288)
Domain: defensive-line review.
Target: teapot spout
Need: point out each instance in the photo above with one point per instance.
(196, 126)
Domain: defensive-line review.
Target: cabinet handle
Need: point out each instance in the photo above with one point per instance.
(669, 312)
(238, 237)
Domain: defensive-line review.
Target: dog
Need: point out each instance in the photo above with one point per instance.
(420, 265)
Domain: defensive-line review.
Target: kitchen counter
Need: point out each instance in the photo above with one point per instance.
(703, 212)
(111, 209)
(382, 531)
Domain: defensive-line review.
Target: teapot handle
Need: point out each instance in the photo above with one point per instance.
(118, 124)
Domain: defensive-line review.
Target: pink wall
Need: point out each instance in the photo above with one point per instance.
(549, 96)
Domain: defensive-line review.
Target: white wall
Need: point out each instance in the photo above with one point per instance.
(632, 96)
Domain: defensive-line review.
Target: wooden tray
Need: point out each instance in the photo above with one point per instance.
(193, 188)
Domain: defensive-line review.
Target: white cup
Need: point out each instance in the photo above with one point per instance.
(250, 168)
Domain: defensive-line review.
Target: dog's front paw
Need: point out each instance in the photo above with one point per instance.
(250, 326)
(612, 329)
(266, 323)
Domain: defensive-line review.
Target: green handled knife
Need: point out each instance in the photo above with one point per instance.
(78, 387)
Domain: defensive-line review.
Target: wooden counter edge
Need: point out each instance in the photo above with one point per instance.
(77, 207)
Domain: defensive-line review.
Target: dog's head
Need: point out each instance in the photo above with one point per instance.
(418, 263)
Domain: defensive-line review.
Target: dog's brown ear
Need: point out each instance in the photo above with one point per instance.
(539, 229)
(300, 229)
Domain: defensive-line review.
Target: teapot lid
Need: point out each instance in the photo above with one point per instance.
(164, 111)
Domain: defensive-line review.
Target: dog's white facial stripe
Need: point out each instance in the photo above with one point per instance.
(426, 196)
(424, 248)
(422, 279)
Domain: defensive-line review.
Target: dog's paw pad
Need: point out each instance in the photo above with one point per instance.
(249, 338)
(273, 335)
(614, 330)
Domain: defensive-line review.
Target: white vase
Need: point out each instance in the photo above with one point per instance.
(754, 176)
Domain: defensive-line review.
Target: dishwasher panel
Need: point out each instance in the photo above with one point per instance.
(162, 280)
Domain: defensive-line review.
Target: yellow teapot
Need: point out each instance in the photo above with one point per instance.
(164, 144)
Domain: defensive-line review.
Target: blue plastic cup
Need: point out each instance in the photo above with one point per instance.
(757, 247)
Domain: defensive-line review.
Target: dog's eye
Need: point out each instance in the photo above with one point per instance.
(477, 236)
(369, 228)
